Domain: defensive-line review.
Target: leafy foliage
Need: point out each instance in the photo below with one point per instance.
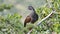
(11, 24)
(53, 22)
(5, 6)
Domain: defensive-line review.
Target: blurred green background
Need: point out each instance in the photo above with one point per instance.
(13, 13)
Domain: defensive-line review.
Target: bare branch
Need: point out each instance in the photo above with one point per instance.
(44, 18)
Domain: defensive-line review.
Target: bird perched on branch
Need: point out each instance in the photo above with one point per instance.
(32, 17)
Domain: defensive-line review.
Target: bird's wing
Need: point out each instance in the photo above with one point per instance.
(28, 19)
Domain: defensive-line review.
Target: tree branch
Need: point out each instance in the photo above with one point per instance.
(44, 18)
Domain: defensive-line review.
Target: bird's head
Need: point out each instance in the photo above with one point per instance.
(30, 8)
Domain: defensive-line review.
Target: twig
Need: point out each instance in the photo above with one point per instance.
(29, 31)
(44, 18)
(42, 21)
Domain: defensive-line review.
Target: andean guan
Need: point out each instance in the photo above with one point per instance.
(32, 17)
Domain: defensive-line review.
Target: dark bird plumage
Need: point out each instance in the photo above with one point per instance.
(33, 17)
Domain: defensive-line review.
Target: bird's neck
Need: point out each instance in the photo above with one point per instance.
(33, 11)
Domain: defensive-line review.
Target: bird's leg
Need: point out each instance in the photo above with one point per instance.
(25, 24)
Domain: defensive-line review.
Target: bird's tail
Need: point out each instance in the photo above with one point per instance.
(24, 24)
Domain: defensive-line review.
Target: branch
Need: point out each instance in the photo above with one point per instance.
(41, 21)
(44, 18)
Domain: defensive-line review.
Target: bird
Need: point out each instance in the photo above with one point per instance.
(32, 17)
